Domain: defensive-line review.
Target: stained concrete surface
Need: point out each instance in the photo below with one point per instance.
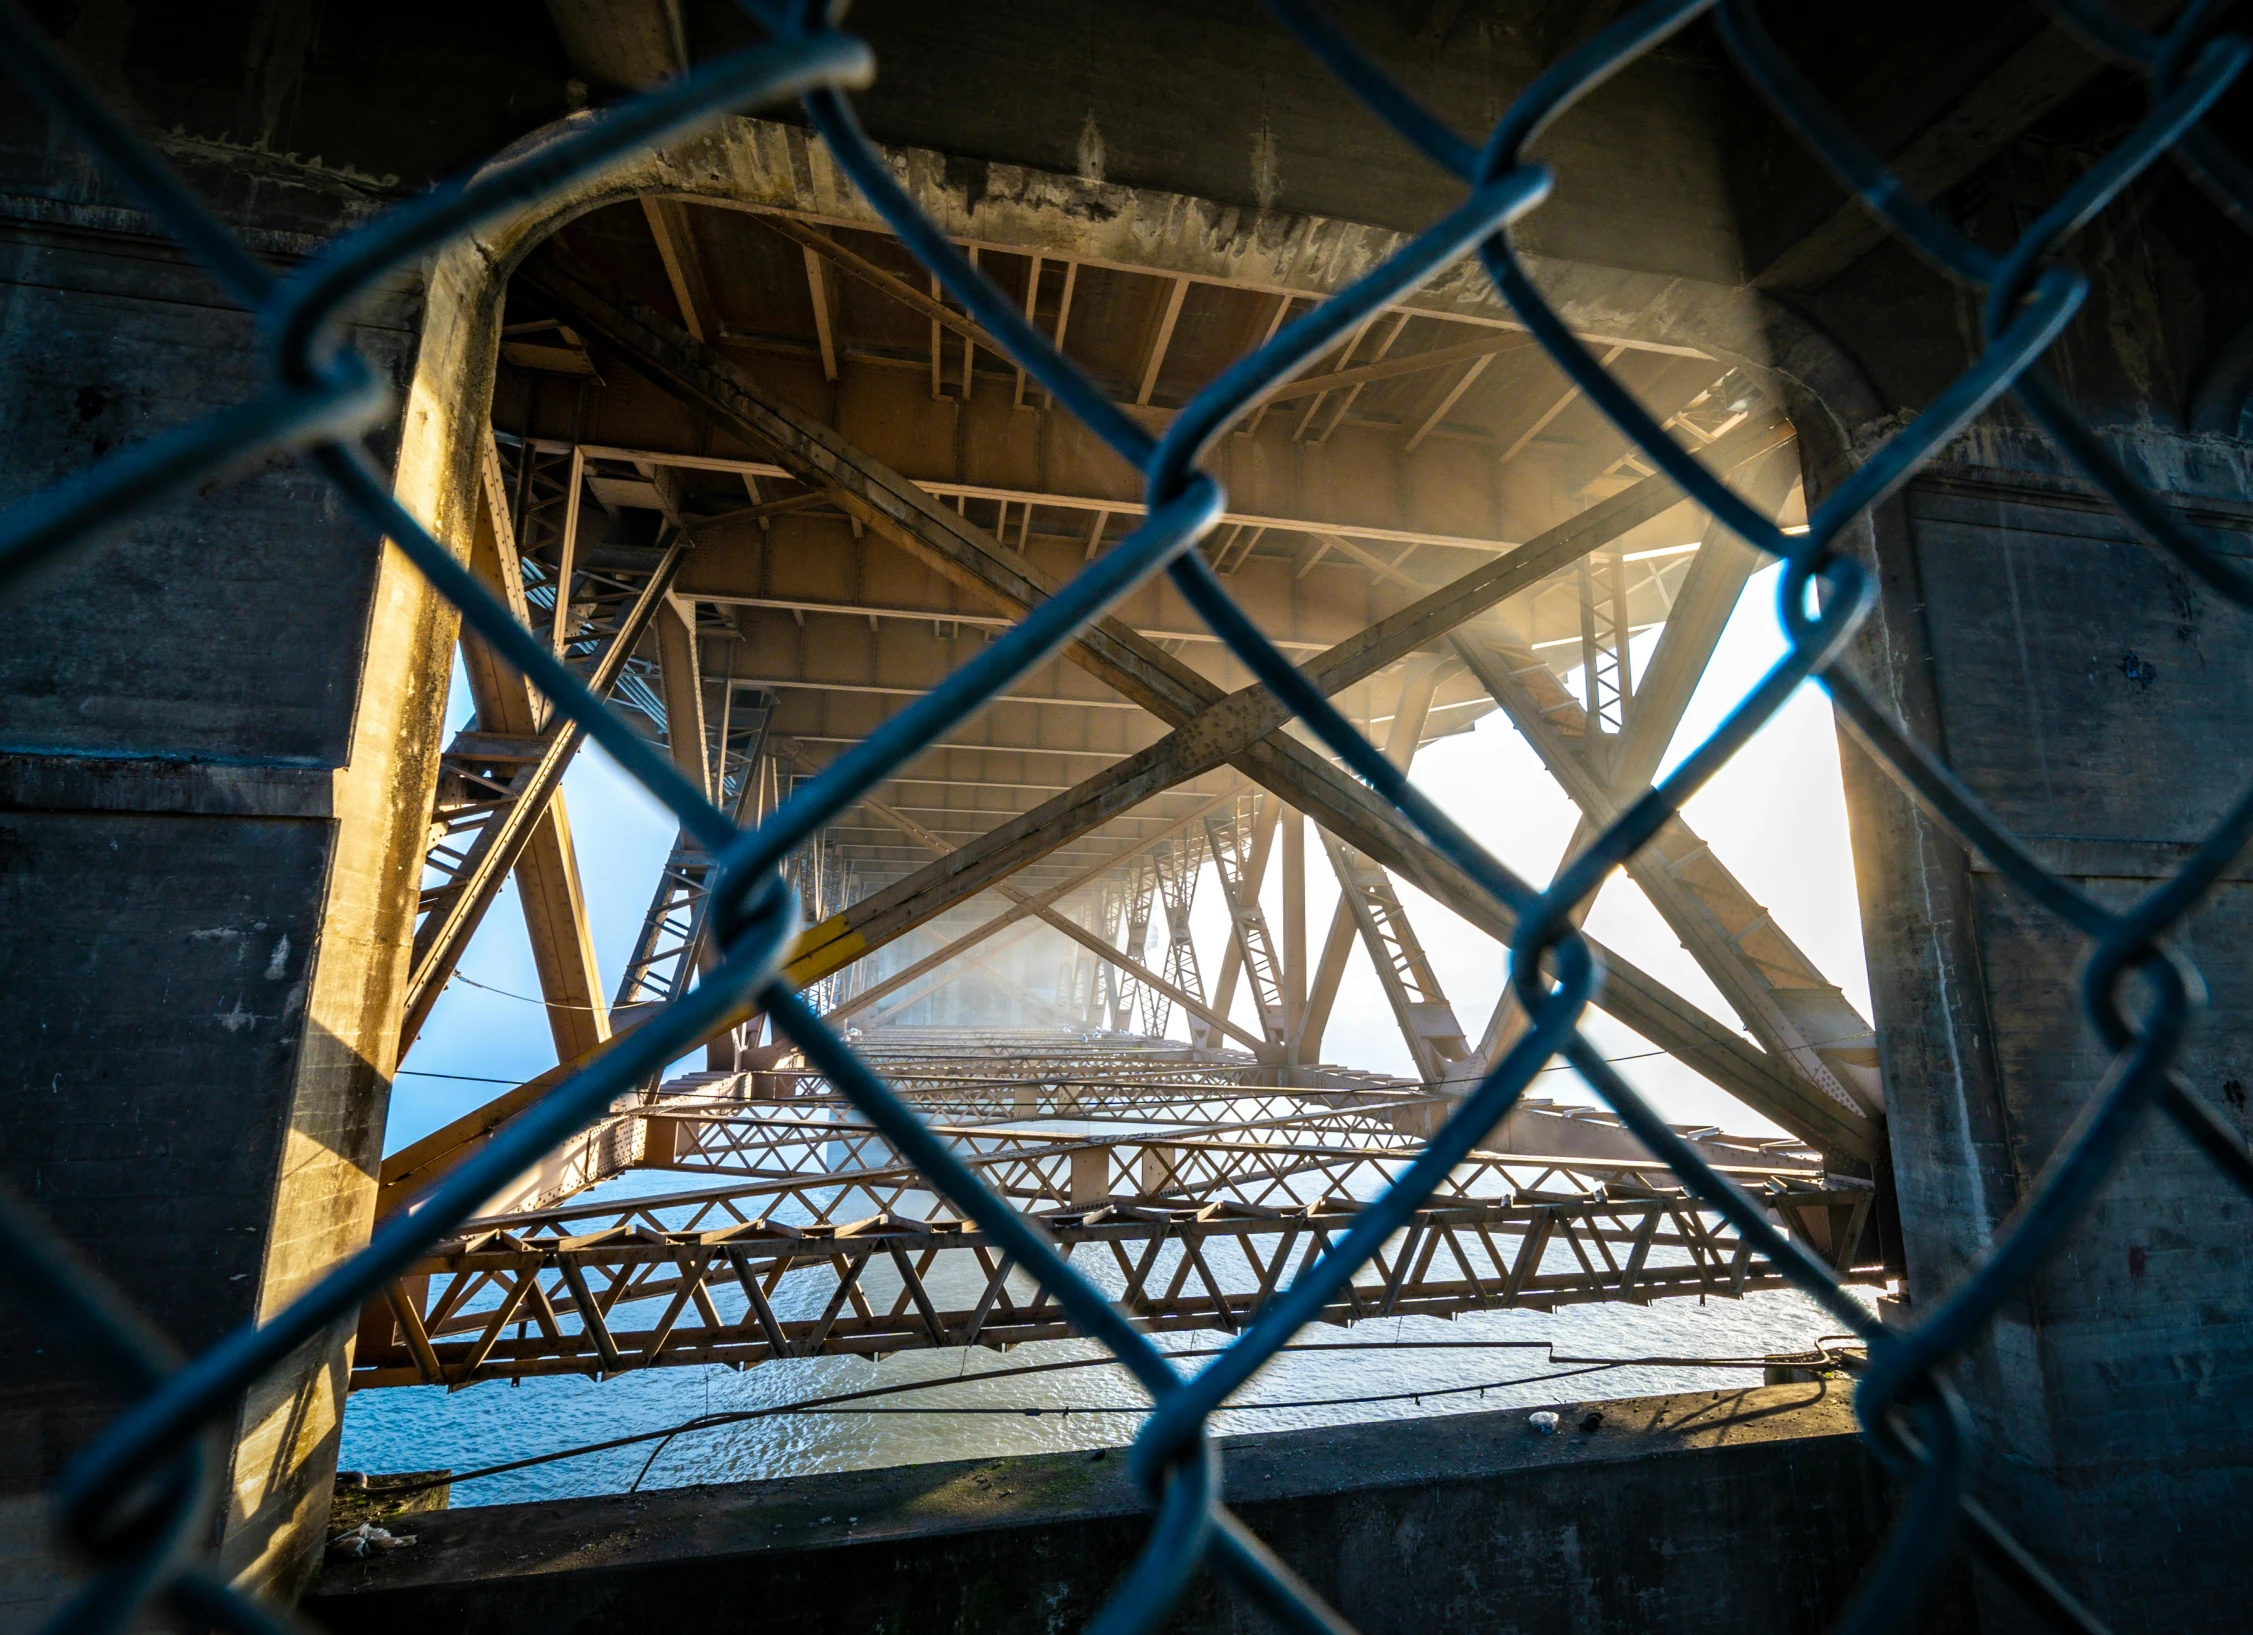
(1713, 1511)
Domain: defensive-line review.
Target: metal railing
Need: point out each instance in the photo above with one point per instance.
(137, 1499)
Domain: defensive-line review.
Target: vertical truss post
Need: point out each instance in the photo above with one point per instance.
(1228, 838)
(1073, 971)
(547, 871)
(1419, 680)
(1606, 668)
(497, 790)
(562, 566)
(681, 684)
(1085, 966)
(1427, 1021)
(1177, 862)
(670, 945)
(1255, 873)
(1104, 999)
(1796, 1013)
(1293, 824)
(1141, 890)
(1087, 969)
(1623, 643)
(1322, 992)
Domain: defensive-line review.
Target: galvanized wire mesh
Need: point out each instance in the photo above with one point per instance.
(137, 1499)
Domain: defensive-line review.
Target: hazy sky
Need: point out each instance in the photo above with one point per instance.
(1775, 815)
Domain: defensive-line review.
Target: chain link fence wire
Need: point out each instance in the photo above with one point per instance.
(137, 1501)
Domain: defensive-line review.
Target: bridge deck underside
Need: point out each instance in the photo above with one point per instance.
(748, 474)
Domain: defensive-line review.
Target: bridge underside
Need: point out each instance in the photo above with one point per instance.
(748, 472)
(718, 442)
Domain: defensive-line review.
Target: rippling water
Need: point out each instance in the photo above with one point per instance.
(425, 1428)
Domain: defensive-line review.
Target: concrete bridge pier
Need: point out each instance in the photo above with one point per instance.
(217, 744)
(2093, 696)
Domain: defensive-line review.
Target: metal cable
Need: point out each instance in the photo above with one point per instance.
(841, 1402)
(137, 1501)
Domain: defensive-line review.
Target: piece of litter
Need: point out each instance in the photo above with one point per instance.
(366, 1540)
(1544, 1423)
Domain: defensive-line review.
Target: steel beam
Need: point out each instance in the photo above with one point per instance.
(1255, 875)
(1233, 729)
(547, 870)
(1703, 603)
(1254, 942)
(614, 1282)
(670, 946)
(1141, 894)
(1015, 914)
(950, 969)
(1481, 352)
(1194, 1004)
(1366, 895)
(1795, 1011)
(1091, 505)
(684, 265)
(681, 685)
(1177, 866)
(1240, 728)
(1786, 1002)
(1402, 739)
(457, 908)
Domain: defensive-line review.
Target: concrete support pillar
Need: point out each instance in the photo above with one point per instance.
(2095, 698)
(218, 741)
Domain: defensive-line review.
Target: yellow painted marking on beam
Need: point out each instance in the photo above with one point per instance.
(822, 949)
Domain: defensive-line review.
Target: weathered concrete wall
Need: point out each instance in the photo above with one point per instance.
(1213, 101)
(2094, 696)
(2089, 693)
(217, 738)
(1750, 1511)
(218, 733)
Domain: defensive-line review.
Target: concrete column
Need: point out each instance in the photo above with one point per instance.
(2096, 699)
(218, 739)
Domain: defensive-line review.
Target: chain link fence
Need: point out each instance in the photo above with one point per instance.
(137, 1501)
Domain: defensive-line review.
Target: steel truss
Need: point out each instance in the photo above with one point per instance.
(498, 778)
(634, 1295)
(1229, 837)
(1427, 1021)
(671, 943)
(1202, 1191)
(1175, 862)
(1141, 892)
